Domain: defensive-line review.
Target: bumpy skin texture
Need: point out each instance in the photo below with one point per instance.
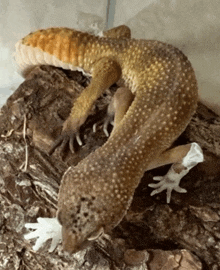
(97, 192)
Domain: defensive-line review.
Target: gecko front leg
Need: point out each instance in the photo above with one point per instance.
(178, 170)
(105, 72)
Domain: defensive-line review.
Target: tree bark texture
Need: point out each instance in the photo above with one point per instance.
(184, 234)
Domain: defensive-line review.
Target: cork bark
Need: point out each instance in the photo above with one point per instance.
(153, 235)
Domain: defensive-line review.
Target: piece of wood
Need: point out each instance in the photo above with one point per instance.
(184, 233)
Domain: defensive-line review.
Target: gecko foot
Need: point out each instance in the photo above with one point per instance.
(177, 171)
(64, 139)
(108, 120)
(69, 133)
(166, 183)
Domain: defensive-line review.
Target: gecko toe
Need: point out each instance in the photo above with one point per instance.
(57, 142)
(107, 121)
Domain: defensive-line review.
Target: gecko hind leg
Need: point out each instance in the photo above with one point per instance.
(121, 31)
(184, 158)
(117, 108)
(121, 102)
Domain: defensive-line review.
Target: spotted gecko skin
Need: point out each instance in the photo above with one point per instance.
(97, 192)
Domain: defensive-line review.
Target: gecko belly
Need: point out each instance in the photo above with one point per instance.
(27, 57)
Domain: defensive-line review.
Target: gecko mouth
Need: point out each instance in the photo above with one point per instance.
(72, 243)
(71, 247)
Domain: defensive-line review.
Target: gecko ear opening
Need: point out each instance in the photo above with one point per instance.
(96, 234)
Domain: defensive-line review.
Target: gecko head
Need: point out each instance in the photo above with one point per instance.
(80, 224)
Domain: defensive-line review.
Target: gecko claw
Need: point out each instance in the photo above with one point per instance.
(71, 140)
(107, 122)
(78, 139)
